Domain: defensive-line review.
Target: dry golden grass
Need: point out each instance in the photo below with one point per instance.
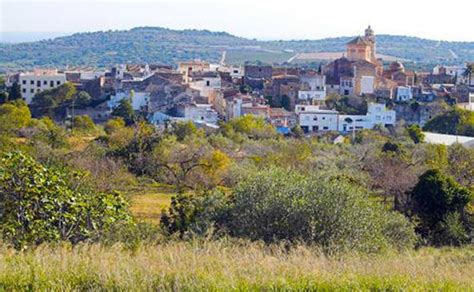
(147, 201)
(147, 207)
(224, 266)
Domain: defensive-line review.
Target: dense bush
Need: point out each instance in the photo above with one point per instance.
(455, 122)
(439, 202)
(275, 205)
(327, 210)
(40, 204)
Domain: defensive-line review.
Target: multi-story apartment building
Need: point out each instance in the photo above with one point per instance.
(37, 81)
(313, 119)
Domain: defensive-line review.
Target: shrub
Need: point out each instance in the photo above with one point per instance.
(83, 125)
(436, 200)
(40, 204)
(415, 133)
(325, 210)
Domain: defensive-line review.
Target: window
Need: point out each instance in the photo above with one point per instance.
(325, 128)
(236, 71)
(346, 92)
(51, 83)
(24, 82)
(38, 83)
(315, 118)
(32, 82)
(324, 118)
(208, 83)
(315, 128)
(32, 90)
(303, 109)
(58, 82)
(23, 90)
(45, 82)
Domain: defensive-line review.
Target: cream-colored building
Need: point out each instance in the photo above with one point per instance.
(38, 81)
(187, 68)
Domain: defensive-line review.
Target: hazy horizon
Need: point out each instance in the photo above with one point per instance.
(264, 20)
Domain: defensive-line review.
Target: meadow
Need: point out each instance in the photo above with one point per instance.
(228, 265)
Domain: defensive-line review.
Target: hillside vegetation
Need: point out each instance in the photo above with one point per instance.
(161, 45)
(128, 206)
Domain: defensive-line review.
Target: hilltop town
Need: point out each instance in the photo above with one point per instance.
(351, 174)
(353, 92)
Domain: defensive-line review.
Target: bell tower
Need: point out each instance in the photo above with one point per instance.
(370, 38)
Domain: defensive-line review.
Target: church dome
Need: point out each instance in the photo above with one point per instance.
(397, 66)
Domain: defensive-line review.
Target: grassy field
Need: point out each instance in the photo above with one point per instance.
(224, 266)
(147, 202)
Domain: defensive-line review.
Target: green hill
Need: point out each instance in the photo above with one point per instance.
(161, 45)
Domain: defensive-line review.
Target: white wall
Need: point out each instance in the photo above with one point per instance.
(367, 85)
(32, 83)
(206, 85)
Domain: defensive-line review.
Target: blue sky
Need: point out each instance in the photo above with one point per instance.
(263, 19)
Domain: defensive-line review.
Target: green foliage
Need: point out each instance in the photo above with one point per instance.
(82, 99)
(50, 133)
(125, 111)
(83, 125)
(251, 126)
(297, 132)
(51, 102)
(185, 129)
(161, 45)
(40, 204)
(326, 210)
(14, 92)
(461, 166)
(190, 215)
(436, 198)
(113, 125)
(416, 134)
(350, 105)
(14, 116)
(454, 122)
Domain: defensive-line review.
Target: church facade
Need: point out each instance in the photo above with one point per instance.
(360, 72)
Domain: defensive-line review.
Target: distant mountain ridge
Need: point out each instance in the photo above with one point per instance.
(163, 45)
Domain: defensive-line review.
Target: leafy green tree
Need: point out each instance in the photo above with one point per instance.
(40, 204)
(82, 98)
(50, 102)
(187, 164)
(185, 129)
(14, 116)
(125, 111)
(113, 125)
(416, 134)
(435, 198)
(83, 125)
(461, 166)
(454, 122)
(251, 126)
(196, 214)
(50, 133)
(297, 132)
(14, 92)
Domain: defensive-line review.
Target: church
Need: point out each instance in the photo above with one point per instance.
(360, 72)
